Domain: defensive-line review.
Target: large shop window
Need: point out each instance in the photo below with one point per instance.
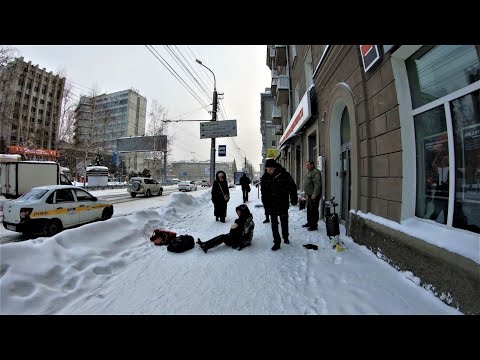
(444, 86)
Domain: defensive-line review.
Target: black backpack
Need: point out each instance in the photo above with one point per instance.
(181, 243)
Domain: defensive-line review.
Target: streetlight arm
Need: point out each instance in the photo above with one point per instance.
(214, 80)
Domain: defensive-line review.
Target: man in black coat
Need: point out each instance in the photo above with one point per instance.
(245, 182)
(265, 182)
(282, 192)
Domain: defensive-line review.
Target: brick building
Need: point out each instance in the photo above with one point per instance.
(398, 129)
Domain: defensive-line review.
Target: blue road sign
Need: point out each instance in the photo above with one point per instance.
(222, 150)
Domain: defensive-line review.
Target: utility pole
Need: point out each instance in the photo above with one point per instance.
(214, 118)
(212, 150)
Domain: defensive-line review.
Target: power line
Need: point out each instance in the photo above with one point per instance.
(175, 75)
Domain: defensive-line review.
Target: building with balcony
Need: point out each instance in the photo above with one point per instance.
(268, 130)
(396, 129)
(30, 107)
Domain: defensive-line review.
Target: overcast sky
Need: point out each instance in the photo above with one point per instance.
(240, 71)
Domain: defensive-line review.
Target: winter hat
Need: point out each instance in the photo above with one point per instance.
(270, 163)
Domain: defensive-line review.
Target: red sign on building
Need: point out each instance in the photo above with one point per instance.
(37, 152)
(370, 55)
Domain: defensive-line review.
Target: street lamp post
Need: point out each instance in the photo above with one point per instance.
(214, 118)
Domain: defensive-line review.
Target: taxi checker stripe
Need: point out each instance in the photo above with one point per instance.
(36, 214)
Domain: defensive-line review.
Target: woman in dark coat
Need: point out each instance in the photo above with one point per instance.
(219, 189)
(240, 235)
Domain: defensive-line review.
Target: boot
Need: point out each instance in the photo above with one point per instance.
(207, 245)
(286, 241)
(306, 225)
(267, 220)
(222, 219)
(216, 218)
(275, 247)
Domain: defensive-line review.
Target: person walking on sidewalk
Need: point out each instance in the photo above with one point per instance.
(282, 188)
(265, 183)
(313, 190)
(245, 182)
(220, 195)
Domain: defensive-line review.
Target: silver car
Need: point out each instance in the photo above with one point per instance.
(144, 186)
(187, 186)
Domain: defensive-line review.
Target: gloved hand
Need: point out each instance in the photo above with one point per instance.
(234, 226)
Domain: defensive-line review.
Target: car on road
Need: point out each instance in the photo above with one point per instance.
(205, 183)
(144, 186)
(52, 208)
(187, 186)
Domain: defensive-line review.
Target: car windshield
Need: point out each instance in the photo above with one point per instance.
(33, 194)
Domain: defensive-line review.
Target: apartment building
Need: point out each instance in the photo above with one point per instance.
(396, 131)
(101, 120)
(30, 107)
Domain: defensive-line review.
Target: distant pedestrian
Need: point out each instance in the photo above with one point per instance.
(245, 182)
(240, 235)
(313, 190)
(265, 183)
(281, 189)
(220, 196)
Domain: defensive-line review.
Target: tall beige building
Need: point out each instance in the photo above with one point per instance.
(30, 106)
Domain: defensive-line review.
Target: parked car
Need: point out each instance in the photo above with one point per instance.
(50, 209)
(144, 186)
(205, 183)
(187, 186)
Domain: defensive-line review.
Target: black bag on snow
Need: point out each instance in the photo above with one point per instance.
(181, 243)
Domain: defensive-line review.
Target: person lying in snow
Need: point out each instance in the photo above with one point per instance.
(240, 235)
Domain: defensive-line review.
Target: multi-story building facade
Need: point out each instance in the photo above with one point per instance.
(199, 170)
(101, 120)
(267, 128)
(30, 107)
(397, 130)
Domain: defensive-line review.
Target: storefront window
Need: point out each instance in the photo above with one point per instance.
(436, 71)
(447, 133)
(432, 165)
(466, 128)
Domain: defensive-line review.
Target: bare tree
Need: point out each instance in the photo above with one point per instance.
(67, 113)
(7, 54)
(84, 137)
(156, 128)
(7, 94)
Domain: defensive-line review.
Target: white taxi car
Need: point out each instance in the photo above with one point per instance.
(187, 186)
(50, 209)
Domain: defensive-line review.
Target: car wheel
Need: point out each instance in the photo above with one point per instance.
(160, 192)
(136, 186)
(148, 193)
(107, 213)
(133, 194)
(53, 227)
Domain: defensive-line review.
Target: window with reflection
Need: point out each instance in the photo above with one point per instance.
(436, 71)
(466, 130)
(445, 130)
(432, 165)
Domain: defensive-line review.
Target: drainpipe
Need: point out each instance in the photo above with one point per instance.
(289, 112)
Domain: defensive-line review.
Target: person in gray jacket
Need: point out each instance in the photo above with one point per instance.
(313, 190)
